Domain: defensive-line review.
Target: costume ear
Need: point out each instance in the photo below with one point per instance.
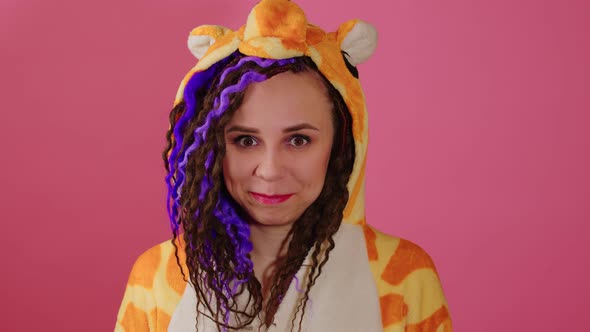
(201, 38)
(359, 42)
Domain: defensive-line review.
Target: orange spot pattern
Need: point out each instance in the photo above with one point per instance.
(431, 324)
(161, 318)
(407, 258)
(281, 20)
(370, 238)
(148, 263)
(314, 35)
(353, 96)
(293, 45)
(393, 309)
(173, 273)
(134, 319)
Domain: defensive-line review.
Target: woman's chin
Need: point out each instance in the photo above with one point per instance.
(271, 220)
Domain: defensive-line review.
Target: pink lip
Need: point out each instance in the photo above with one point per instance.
(270, 199)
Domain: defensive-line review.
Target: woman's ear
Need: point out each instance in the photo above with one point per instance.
(358, 40)
(202, 37)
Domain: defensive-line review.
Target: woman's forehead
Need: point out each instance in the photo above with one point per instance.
(285, 99)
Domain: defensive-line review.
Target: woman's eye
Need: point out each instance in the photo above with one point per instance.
(299, 141)
(246, 141)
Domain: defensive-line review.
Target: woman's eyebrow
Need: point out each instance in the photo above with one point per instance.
(242, 129)
(296, 127)
(299, 127)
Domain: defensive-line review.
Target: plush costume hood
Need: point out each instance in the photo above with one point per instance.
(278, 29)
(372, 281)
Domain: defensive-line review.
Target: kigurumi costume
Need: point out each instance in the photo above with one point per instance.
(372, 281)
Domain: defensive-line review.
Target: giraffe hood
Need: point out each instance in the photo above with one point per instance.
(278, 29)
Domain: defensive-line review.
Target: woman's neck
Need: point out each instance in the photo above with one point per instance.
(270, 244)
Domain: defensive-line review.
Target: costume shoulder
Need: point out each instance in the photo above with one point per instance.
(410, 292)
(153, 290)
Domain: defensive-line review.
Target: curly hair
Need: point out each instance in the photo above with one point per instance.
(215, 232)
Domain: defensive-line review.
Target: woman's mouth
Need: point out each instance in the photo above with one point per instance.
(270, 199)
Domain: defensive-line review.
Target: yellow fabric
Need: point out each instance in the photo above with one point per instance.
(409, 290)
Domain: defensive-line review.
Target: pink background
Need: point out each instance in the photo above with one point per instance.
(479, 149)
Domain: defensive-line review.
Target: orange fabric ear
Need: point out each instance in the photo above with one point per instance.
(343, 31)
(203, 37)
(214, 31)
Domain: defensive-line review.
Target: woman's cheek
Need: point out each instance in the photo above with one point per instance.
(237, 165)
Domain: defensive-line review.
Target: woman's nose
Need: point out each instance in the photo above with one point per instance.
(270, 166)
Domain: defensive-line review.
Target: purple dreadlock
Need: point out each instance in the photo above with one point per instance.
(235, 227)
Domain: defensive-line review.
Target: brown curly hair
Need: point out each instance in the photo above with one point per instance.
(206, 238)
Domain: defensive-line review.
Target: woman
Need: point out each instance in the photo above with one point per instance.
(265, 161)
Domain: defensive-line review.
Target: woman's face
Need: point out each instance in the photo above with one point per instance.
(278, 147)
